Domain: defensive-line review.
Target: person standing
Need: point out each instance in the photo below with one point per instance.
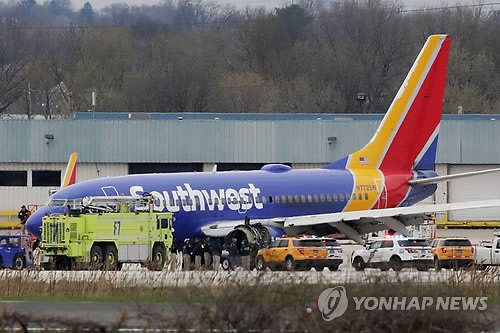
(173, 257)
(207, 258)
(233, 253)
(198, 252)
(245, 255)
(186, 254)
(216, 251)
(23, 216)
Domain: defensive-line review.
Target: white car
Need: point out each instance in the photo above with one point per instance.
(335, 255)
(395, 253)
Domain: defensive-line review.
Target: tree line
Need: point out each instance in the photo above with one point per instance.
(190, 56)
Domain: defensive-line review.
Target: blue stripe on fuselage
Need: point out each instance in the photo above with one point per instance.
(308, 185)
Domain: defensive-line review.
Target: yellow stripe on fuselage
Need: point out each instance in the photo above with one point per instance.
(366, 182)
(374, 151)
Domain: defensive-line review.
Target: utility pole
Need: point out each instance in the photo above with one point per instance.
(29, 99)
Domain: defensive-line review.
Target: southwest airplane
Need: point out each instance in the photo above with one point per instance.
(370, 190)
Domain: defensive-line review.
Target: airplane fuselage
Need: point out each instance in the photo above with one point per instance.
(198, 199)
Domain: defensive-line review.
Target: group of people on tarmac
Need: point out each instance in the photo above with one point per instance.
(205, 254)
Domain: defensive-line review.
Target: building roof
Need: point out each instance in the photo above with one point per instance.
(239, 138)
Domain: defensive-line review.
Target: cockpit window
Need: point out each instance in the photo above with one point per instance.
(56, 202)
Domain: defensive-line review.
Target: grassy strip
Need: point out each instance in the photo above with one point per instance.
(270, 306)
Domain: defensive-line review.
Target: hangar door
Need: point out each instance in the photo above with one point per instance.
(475, 188)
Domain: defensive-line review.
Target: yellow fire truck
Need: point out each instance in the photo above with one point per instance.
(106, 232)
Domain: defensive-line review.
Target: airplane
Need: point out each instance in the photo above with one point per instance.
(373, 189)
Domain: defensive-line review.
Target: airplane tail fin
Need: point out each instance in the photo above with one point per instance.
(70, 174)
(407, 136)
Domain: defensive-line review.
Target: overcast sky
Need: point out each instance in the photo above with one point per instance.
(99, 4)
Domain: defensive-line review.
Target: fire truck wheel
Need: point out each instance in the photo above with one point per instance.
(18, 262)
(96, 258)
(111, 258)
(158, 257)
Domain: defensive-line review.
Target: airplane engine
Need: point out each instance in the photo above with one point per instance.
(263, 235)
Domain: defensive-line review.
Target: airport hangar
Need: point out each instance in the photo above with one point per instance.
(35, 152)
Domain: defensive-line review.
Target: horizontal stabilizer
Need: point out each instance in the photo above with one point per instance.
(433, 180)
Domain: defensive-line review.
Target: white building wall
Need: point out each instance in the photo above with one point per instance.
(13, 197)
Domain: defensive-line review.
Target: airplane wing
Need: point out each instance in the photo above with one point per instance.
(355, 223)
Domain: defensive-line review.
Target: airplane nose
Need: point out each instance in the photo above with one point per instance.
(34, 222)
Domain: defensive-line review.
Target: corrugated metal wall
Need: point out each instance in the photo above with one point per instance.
(213, 141)
(13, 197)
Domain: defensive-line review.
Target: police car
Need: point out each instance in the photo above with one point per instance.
(394, 252)
(335, 255)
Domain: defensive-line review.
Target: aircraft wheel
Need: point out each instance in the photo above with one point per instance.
(18, 262)
(225, 264)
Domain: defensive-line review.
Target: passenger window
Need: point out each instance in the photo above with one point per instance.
(216, 201)
(277, 199)
(335, 198)
(274, 244)
(341, 197)
(270, 199)
(329, 197)
(354, 196)
(316, 198)
(263, 200)
(366, 196)
(309, 198)
(210, 201)
(290, 198)
(387, 243)
(322, 196)
(303, 198)
(297, 200)
(360, 196)
(171, 202)
(283, 243)
(283, 198)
